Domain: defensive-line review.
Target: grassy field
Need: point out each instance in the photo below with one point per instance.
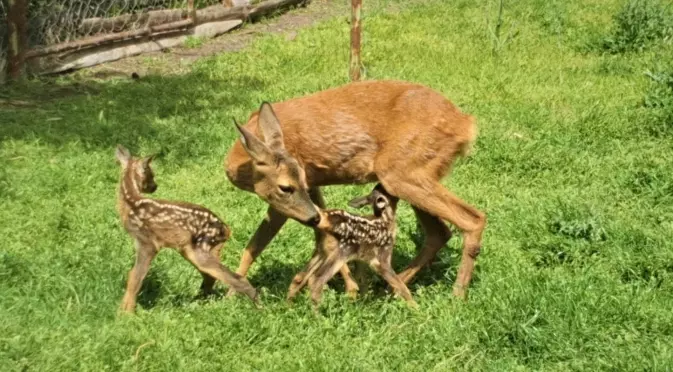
(573, 166)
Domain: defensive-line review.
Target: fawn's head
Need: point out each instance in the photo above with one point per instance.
(380, 200)
(278, 178)
(138, 169)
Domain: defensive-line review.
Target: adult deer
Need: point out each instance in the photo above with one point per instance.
(403, 135)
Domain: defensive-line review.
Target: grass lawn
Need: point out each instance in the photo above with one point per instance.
(573, 171)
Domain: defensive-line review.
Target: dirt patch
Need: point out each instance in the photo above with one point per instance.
(178, 60)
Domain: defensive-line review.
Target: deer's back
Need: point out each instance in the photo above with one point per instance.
(174, 223)
(338, 133)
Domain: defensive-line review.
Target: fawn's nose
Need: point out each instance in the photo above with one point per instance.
(314, 221)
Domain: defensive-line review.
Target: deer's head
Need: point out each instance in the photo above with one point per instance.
(138, 170)
(277, 176)
(380, 200)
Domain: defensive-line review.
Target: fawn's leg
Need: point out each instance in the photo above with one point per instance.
(361, 277)
(207, 284)
(206, 263)
(430, 196)
(327, 270)
(383, 268)
(145, 253)
(350, 284)
(306, 275)
(265, 232)
(208, 281)
(437, 234)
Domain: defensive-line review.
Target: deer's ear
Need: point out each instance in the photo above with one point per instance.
(359, 202)
(122, 154)
(270, 127)
(253, 145)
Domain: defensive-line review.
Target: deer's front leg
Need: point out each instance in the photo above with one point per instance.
(263, 236)
(350, 284)
(145, 253)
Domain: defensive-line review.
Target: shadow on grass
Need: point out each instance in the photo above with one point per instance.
(150, 290)
(162, 110)
(277, 276)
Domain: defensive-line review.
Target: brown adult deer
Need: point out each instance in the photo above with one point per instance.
(196, 232)
(350, 237)
(404, 135)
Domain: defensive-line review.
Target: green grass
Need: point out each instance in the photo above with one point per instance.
(194, 42)
(576, 271)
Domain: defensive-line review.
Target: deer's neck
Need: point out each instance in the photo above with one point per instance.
(129, 191)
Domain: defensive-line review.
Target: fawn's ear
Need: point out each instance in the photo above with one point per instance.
(148, 159)
(381, 202)
(359, 202)
(122, 154)
(257, 150)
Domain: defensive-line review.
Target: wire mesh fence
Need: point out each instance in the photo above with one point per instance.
(57, 21)
(51, 31)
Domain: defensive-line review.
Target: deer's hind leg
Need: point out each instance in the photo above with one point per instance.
(425, 192)
(207, 264)
(437, 234)
(145, 253)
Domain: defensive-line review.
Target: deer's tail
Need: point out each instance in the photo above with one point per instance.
(471, 132)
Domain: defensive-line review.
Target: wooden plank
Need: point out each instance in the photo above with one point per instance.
(210, 14)
(112, 52)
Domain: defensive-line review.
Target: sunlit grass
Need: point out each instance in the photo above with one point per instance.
(577, 265)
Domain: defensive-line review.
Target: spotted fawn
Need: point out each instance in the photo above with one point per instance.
(194, 231)
(368, 239)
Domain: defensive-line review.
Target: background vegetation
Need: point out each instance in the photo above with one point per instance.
(573, 166)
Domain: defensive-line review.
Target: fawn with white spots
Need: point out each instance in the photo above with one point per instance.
(351, 237)
(196, 232)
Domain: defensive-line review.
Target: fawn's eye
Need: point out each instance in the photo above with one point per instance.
(286, 189)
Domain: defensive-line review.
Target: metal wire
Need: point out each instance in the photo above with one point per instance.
(56, 21)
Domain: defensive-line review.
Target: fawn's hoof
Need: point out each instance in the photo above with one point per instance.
(231, 292)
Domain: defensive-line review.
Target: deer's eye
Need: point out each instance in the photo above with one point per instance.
(286, 189)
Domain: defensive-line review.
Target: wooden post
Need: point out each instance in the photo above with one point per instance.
(18, 36)
(191, 11)
(355, 64)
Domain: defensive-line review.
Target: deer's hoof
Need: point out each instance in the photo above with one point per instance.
(127, 308)
(460, 292)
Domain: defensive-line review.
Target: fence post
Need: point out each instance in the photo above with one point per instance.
(356, 10)
(17, 32)
(192, 11)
